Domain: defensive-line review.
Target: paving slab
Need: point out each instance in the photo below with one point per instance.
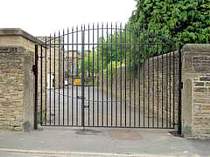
(100, 142)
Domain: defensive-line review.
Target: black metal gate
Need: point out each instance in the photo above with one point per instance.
(108, 76)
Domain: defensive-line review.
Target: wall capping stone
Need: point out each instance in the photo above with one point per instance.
(196, 48)
(19, 32)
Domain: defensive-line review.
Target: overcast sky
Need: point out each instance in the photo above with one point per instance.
(42, 17)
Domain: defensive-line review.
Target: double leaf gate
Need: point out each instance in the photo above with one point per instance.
(108, 76)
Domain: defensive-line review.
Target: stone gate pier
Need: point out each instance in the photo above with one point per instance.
(16, 79)
(196, 90)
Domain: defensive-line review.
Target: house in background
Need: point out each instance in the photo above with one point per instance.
(52, 62)
(72, 59)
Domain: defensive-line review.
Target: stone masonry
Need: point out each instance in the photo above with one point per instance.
(16, 79)
(11, 87)
(196, 91)
(153, 90)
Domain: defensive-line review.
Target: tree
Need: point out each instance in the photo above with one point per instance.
(183, 21)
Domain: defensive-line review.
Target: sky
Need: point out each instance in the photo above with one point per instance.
(42, 17)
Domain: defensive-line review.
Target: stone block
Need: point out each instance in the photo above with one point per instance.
(200, 89)
(205, 78)
(199, 83)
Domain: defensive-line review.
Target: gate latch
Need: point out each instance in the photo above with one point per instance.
(181, 85)
(34, 69)
(80, 97)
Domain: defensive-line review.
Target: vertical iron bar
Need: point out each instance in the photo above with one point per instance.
(139, 48)
(180, 93)
(143, 75)
(166, 90)
(59, 74)
(111, 75)
(35, 69)
(107, 81)
(54, 76)
(125, 40)
(162, 87)
(46, 59)
(134, 85)
(63, 42)
(50, 79)
(102, 83)
(116, 81)
(88, 74)
(170, 89)
(97, 74)
(174, 89)
(148, 90)
(157, 92)
(82, 77)
(130, 36)
(77, 66)
(153, 92)
(67, 75)
(41, 110)
(93, 74)
(121, 75)
(72, 76)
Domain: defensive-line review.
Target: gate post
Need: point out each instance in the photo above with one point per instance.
(196, 91)
(82, 81)
(35, 70)
(17, 79)
(180, 92)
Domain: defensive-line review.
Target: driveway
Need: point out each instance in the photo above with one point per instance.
(65, 108)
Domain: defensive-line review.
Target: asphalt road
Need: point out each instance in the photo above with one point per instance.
(64, 107)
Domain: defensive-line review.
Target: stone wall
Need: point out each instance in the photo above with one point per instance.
(152, 90)
(196, 91)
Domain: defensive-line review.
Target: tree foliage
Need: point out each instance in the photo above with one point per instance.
(109, 54)
(155, 27)
(184, 21)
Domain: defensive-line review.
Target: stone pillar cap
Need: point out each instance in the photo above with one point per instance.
(19, 32)
(196, 47)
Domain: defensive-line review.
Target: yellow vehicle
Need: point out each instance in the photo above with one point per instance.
(77, 82)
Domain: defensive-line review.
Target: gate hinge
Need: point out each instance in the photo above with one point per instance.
(181, 85)
(34, 69)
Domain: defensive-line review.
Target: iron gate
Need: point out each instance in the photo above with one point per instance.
(108, 76)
